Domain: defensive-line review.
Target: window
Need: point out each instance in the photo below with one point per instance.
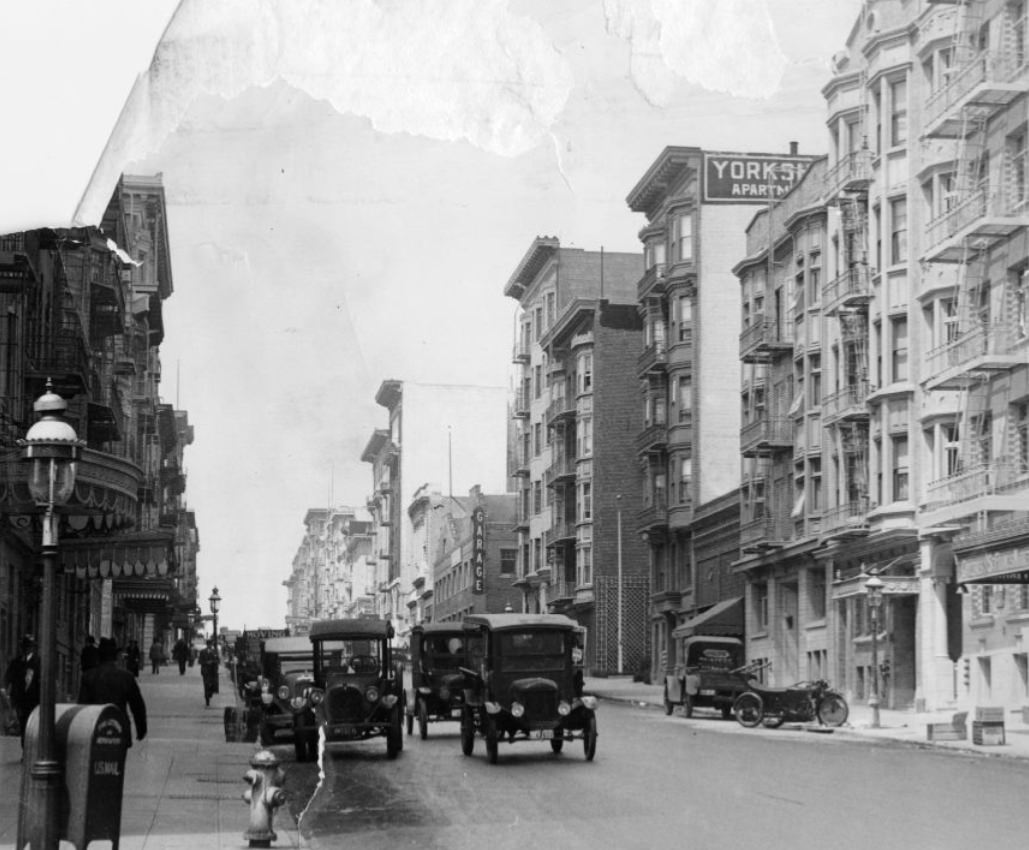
(537, 381)
(950, 434)
(899, 352)
(1018, 160)
(685, 479)
(537, 324)
(898, 231)
(761, 606)
(817, 593)
(815, 384)
(537, 555)
(653, 255)
(684, 237)
(537, 439)
(584, 559)
(898, 112)
(685, 397)
(949, 320)
(508, 560)
(1020, 302)
(584, 436)
(685, 318)
(1020, 416)
(585, 501)
(900, 468)
(815, 485)
(537, 497)
(585, 372)
(550, 300)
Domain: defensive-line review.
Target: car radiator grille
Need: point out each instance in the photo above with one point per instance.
(540, 705)
(345, 705)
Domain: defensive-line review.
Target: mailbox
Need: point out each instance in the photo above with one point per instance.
(91, 741)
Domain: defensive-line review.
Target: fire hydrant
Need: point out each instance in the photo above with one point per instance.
(264, 796)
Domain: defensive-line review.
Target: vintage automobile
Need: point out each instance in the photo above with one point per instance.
(287, 674)
(710, 674)
(358, 691)
(437, 693)
(523, 682)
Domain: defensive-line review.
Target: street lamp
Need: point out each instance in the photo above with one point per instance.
(51, 446)
(621, 645)
(874, 589)
(215, 601)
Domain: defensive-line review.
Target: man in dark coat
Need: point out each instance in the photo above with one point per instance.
(90, 654)
(109, 683)
(180, 652)
(209, 665)
(22, 682)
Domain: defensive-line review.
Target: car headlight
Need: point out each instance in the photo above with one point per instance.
(389, 700)
(517, 709)
(564, 709)
(283, 692)
(266, 698)
(251, 686)
(265, 684)
(590, 702)
(297, 703)
(315, 696)
(371, 694)
(493, 708)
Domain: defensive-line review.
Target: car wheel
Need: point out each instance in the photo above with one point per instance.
(423, 719)
(748, 709)
(589, 738)
(467, 731)
(668, 703)
(394, 734)
(556, 744)
(687, 705)
(492, 741)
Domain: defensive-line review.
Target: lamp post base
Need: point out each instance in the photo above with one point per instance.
(39, 827)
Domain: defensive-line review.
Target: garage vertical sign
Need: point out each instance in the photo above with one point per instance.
(479, 550)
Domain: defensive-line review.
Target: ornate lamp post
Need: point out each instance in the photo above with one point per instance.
(215, 601)
(874, 589)
(51, 447)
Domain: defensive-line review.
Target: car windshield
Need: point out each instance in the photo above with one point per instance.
(295, 663)
(346, 657)
(712, 657)
(443, 651)
(531, 650)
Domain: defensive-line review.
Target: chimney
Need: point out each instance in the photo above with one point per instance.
(793, 148)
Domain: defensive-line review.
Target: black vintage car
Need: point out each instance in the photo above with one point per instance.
(523, 682)
(287, 674)
(710, 674)
(358, 691)
(437, 683)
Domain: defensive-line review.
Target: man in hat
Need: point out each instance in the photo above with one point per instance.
(109, 683)
(22, 682)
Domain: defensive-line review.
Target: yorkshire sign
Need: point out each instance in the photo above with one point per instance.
(743, 178)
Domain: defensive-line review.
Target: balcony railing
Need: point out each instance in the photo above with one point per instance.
(987, 479)
(764, 336)
(521, 403)
(653, 359)
(850, 516)
(653, 438)
(562, 467)
(853, 171)
(852, 287)
(846, 403)
(999, 70)
(764, 532)
(766, 434)
(559, 408)
(975, 215)
(654, 513)
(652, 282)
(562, 531)
(981, 348)
(521, 352)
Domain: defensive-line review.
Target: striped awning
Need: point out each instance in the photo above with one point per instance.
(129, 555)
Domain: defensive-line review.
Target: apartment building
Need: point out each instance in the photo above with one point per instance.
(576, 417)
(441, 436)
(697, 204)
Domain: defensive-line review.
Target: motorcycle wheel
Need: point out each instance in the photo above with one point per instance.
(748, 709)
(832, 710)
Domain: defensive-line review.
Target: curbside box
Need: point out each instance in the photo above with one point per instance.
(952, 730)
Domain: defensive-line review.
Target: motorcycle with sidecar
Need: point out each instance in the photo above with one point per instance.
(803, 702)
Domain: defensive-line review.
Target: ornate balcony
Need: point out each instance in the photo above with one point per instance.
(846, 403)
(560, 471)
(762, 533)
(984, 216)
(764, 337)
(560, 409)
(766, 435)
(653, 282)
(653, 439)
(852, 173)
(1000, 477)
(562, 531)
(653, 359)
(847, 520)
(853, 288)
(989, 81)
(990, 348)
(520, 405)
(521, 352)
(654, 516)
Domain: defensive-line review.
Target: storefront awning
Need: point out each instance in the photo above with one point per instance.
(141, 555)
(723, 618)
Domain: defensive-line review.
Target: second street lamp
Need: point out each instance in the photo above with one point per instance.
(215, 602)
(874, 589)
(51, 446)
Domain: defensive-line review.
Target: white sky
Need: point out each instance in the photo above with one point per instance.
(350, 184)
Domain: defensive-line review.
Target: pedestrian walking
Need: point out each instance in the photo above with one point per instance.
(180, 652)
(156, 656)
(209, 670)
(109, 683)
(90, 656)
(22, 682)
(133, 658)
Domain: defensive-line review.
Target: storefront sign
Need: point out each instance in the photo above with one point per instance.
(478, 550)
(1008, 566)
(749, 178)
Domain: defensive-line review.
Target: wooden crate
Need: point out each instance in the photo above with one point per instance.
(988, 734)
(989, 714)
(951, 730)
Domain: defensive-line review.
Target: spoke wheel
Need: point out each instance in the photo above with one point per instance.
(748, 709)
(467, 731)
(589, 738)
(833, 710)
(423, 719)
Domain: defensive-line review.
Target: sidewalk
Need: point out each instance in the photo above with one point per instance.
(183, 783)
(900, 727)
